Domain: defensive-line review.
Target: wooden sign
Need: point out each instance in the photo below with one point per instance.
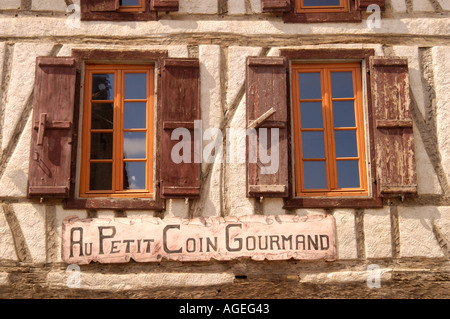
(152, 239)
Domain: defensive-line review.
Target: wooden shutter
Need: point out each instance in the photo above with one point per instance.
(276, 5)
(103, 5)
(51, 143)
(164, 5)
(180, 80)
(266, 93)
(363, 4)
(394, 144)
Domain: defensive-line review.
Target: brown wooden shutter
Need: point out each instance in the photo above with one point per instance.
(275, 5)
(51, 143)
(164, 5)
(180, 79)
(394, 144)
(266, 93)
(363, 4)
(103, 5)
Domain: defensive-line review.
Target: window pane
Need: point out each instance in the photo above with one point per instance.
(135, 115)
(311, 114)
(101, 145)
(134, 145)
(309, 86)
(348, 174)
(314, 175)
(344, 113)
(129, 2)
(134, 175)
(103, 87)
(312, 3)
(342, 84)
(345, 142)
(313, 145)
(135, 86)
(102, 116)
(100, 178)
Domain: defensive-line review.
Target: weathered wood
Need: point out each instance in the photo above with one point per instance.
(363, 4)
(180, 80)
(103, 5)
(266, 92)
(164, 5)
(51, 149)
(276, 5)
(109, 11)
(394, 143)
(354, 15)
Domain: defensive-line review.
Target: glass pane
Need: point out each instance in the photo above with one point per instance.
(134, 175)
(134, 145)
(309, 86)
(135, 115)
(101, 145)
(346, 143)
(102, 116)
(312, 3)
(311, 114)
(342, 84)
(347, 174)
(100, 178)
(103, 87)
(344, 113)
(135, 86)
(313, 145)
(129, 2)
(314, 175)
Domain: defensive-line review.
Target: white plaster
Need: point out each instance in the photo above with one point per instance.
(14, 180)
(422, 5)
(398, 5)
(126, 281)
(441, 67)
(7, 248)
(31, 218)
(377, 232)
(236, 7)
(10, 4)
(345, 234)
(445, 4)
(53, 5)
(21, 83)
(416, 232)
(198, 7)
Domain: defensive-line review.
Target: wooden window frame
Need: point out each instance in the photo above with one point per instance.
(117, 57)
(343, 7)
(118, 131)
(143, 13)
(350, 14)
(139, 8)
(330, 155)
(372, 200)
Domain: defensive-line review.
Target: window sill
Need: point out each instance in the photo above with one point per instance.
(353, 202)
(115, 204)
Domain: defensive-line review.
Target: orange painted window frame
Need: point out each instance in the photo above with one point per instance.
(118, 130)
(138, 8)
(343, 7)
(327, 113)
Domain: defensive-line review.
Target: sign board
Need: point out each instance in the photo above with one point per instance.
(118, 240)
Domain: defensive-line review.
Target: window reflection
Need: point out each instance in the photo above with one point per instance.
(103, 87)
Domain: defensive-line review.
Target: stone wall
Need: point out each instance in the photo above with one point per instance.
(407, 239)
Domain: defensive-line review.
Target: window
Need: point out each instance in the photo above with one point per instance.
(131, 6)
(328, 130)
(60, 169)
(125, 10)
(322, 5)
(295, 11)
(118, 134)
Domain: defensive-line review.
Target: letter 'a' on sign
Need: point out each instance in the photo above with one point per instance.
(52, 133)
